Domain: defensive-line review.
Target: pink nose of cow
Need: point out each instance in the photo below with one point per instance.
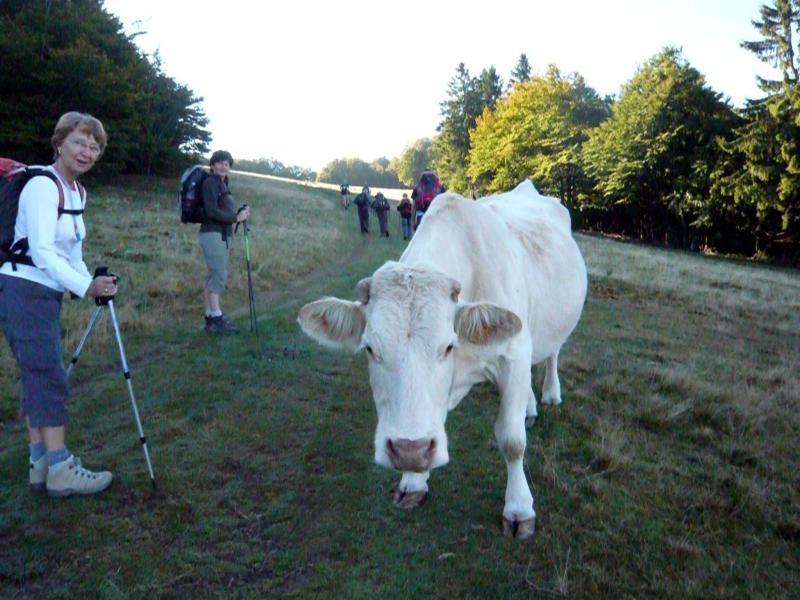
(411, 455)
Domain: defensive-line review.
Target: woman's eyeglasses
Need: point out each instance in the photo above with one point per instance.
(81, 145)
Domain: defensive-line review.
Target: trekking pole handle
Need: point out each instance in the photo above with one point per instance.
(241, 208)
(102, 271)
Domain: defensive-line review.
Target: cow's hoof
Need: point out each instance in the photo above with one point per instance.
(530, 421)
(551, 399)
(409, 500)
(519, 529)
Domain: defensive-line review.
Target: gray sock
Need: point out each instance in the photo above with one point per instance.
(57, 456)
(38, 450)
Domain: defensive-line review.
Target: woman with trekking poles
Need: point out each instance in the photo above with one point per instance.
(47, 260)
(215, 233)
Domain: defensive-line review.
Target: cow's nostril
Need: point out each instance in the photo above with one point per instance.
(431, 449)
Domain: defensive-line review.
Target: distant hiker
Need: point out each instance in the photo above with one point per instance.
(47, 261)
(426, 189)
(344, 190)
(381, 207)
(406, 210)
(363, 202)
(215, 233)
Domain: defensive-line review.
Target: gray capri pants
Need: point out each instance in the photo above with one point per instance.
(216, 253)
(30, 315)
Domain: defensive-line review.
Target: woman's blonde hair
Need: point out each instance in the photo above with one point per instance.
(83, 122)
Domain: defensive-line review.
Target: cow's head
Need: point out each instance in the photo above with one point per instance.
(412, 326)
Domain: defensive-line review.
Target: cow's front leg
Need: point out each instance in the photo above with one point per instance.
(412, 489)
(519, 518)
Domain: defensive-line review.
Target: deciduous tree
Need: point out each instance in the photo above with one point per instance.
(61, 56)
(536, 132)
(651, 160)
(413, 160)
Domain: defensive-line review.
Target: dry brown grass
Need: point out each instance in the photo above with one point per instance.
(133, 228)
(609, 445)
(769, 296)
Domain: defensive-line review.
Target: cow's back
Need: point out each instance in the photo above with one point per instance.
(557, 272)
(525, 204)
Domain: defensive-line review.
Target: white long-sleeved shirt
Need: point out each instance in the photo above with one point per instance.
(55, 243)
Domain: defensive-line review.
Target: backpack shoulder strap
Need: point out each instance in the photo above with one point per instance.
(40, 171)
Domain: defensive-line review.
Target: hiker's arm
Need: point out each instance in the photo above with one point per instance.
(76, 259)
(39, 205)
(221, 212)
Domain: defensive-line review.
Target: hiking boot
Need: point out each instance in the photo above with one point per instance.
(231, 326)
(220, 324)
(38, 475)
(69, 477)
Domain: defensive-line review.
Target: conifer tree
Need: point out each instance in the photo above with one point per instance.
(467, 98)
(760, 179)
(522, 72)
(491, 87)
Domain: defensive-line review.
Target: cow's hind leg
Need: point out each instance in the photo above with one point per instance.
(519, 518)
(551, 390)
(412, 489)
(530, 409)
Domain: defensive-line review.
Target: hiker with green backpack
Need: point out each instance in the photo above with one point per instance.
(381, 207)
(43, 260)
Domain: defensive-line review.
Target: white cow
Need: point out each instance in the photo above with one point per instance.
(484, 290)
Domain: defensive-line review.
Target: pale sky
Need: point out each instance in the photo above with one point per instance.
(308, 81)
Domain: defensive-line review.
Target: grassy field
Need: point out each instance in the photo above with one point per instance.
(670, 470)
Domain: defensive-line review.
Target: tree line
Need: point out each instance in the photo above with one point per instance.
(355, 171)
(669, 161)
(272, 166)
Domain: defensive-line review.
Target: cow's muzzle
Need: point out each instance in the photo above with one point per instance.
(411, 455)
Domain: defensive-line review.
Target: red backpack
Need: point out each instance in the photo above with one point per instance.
(429, 187)
(13, 177)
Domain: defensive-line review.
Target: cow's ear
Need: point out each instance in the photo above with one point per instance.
(362, 290)
(485, 323)
(333, 322)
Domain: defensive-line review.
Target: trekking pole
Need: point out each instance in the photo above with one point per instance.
(85, 336)
(109, 302)
(250, 294)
